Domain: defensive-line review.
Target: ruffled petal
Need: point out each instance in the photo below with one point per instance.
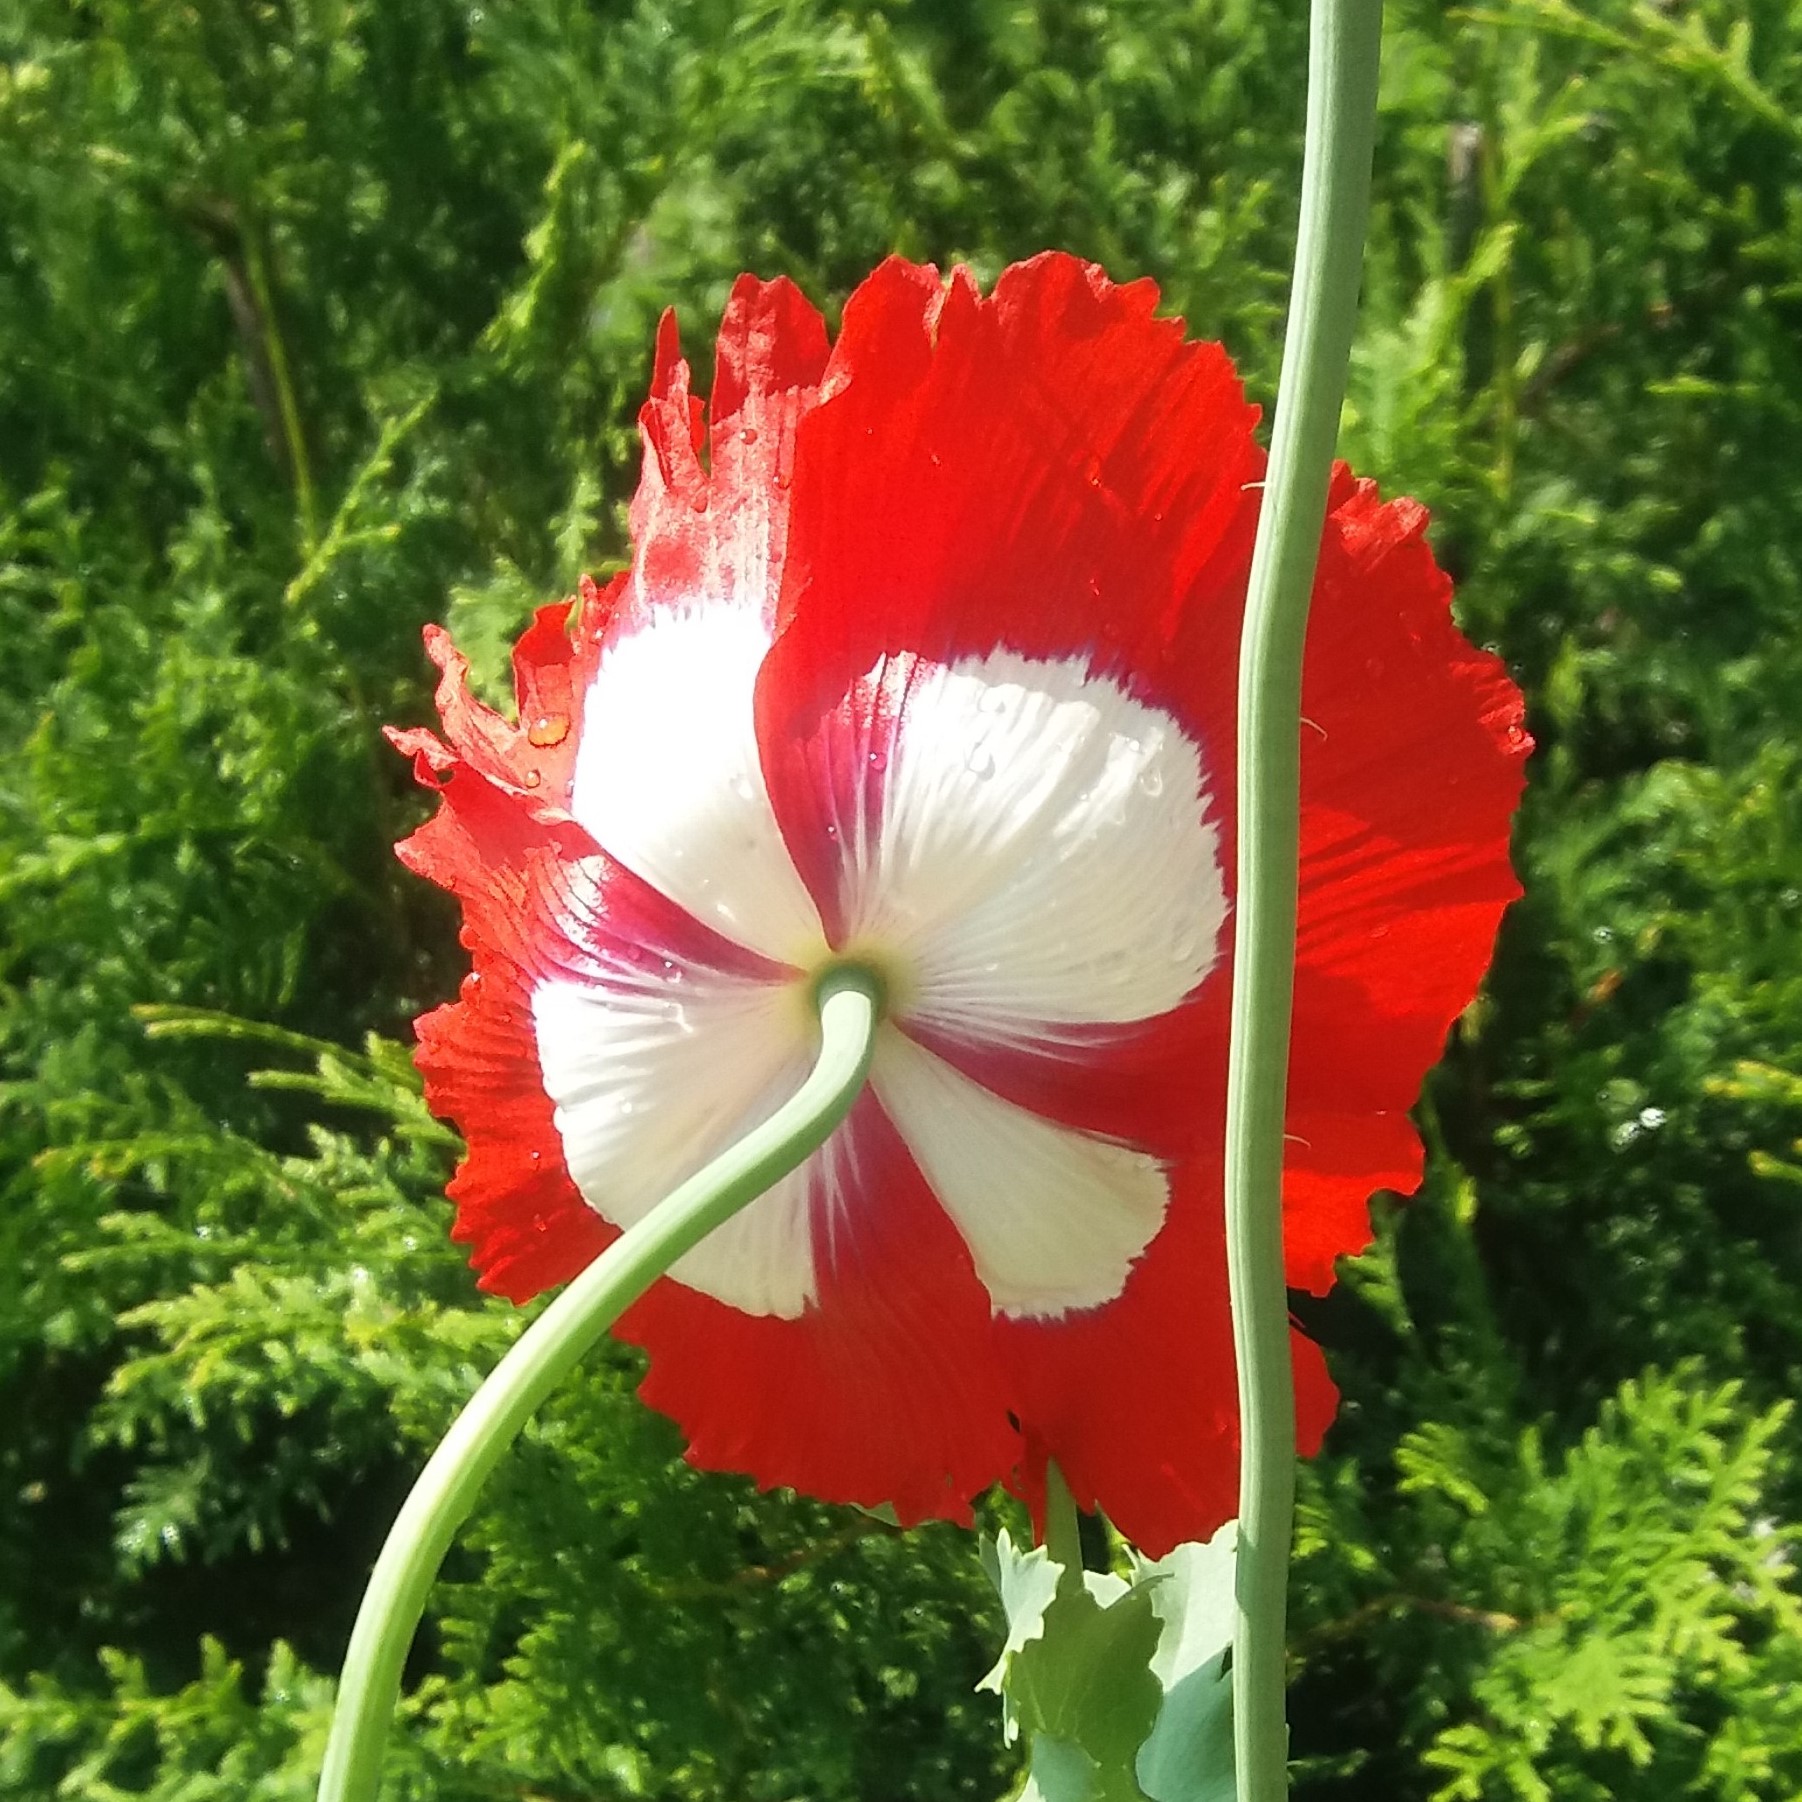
(710, 520)
(887, 1390)
(667, 776)
(1050, 471)
(1412, 766)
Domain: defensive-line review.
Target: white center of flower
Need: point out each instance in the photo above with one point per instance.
(1026, 856)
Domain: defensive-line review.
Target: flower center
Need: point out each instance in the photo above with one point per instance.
(867, 970)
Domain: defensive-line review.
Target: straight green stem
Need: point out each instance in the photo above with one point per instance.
(850, 1005)
(1345, 36)
(1063, 1533)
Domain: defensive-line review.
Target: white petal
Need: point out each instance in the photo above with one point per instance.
(1043, 855)
(669, 781)
(652, 1078)
(1054, 1219)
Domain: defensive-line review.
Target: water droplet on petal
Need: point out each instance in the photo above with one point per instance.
(1152, 782)
(548, 729)
(749, 435)
(980, 763)
(533, 778)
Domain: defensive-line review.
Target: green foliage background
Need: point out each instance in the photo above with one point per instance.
(322, 318)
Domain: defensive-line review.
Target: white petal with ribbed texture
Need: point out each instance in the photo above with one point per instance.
(654, 1077)
(1042, 855)
(669, 781)
(1054, 1219)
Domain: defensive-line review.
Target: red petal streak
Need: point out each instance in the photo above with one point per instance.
(886, 1391)
(1141, 1084)
(1412, 764)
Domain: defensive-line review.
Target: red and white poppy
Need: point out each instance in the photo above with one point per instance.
(926, 659)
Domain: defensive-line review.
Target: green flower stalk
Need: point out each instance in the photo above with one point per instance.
(850, 1006)
(1341, 129)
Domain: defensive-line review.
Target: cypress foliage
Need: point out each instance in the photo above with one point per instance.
(322, 318)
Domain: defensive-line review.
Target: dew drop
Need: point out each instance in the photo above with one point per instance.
(533, 778)
(548, 729)
(878, 761)
(1152, 782)
(980, 763)
(749, 435)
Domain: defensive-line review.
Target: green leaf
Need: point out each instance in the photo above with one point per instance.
(1026, 1581)
(1189, 1755)
(1121, 1688)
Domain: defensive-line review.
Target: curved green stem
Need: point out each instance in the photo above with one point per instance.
(850, 1006)
(1341, 129)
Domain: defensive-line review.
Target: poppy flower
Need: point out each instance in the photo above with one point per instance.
(926, 659)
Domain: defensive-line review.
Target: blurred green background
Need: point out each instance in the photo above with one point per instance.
(323, 318)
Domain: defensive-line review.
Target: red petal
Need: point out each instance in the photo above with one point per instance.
(531, 758)
(1050, 470)
(517, 1209)
(1137, 1401)
(1412, 765)
(886, 1391)
(710, 534)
